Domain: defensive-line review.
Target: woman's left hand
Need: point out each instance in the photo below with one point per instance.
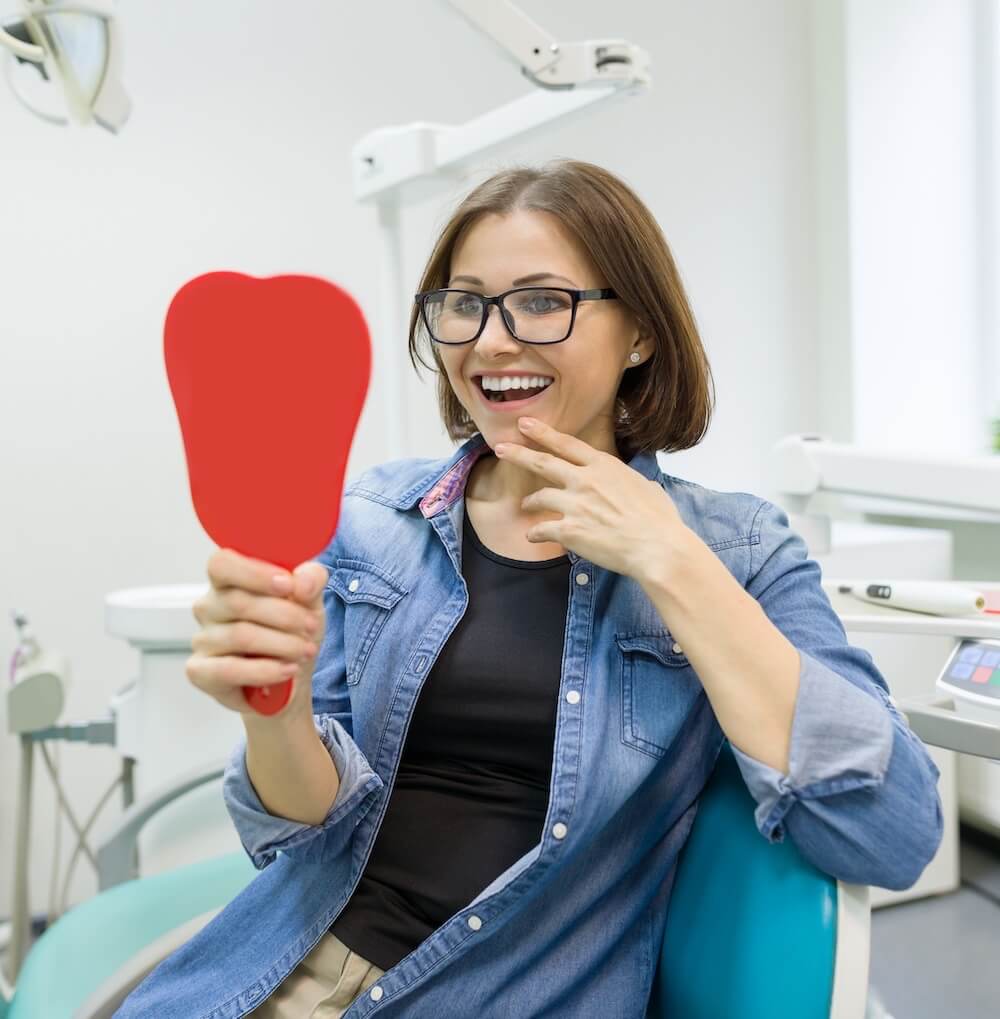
(611, 514)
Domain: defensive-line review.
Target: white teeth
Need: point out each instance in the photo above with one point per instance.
(514, 382)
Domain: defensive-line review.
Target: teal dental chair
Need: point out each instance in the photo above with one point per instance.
(754, 931)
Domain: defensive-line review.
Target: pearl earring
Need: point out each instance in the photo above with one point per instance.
(634, 356)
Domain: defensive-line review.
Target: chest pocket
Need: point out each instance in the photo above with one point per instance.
(659, 687)
(369, 594)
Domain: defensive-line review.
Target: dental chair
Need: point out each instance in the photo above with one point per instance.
(753, 930)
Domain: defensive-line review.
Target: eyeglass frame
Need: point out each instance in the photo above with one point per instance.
(593, 294)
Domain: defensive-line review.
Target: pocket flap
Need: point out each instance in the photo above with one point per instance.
(660, 645)
(355, 581)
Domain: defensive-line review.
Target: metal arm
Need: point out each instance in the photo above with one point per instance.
(116, 855)
(20, 48)
(547, 62)
(528, 44)
(571, 76)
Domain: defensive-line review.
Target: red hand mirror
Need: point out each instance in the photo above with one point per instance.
(268, 377)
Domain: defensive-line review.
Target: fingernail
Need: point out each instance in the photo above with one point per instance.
(527, 422)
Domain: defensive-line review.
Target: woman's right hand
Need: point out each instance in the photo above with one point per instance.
(252, 635)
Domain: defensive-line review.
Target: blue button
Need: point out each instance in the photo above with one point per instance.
(961, 670)
(991, 658)
(970, 653)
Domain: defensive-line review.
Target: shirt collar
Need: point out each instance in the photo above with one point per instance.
(440, 487)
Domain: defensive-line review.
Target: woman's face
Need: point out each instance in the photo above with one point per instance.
(499, 253)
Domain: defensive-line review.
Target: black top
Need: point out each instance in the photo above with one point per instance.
(472, 789)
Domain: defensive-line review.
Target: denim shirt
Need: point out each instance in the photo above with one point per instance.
(574, 927)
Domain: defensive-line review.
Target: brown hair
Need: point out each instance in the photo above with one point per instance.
(663, 404)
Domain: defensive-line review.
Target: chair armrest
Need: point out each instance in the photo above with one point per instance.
(116, 855)
(852, 956)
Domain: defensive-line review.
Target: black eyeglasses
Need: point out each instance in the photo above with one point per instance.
(531, 314)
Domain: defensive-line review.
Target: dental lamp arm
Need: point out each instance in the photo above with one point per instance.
(548, 62)
(571, 76)
(527, 43)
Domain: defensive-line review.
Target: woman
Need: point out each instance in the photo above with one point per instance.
(529, 657)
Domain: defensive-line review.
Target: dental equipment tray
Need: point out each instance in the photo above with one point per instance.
(963, 714)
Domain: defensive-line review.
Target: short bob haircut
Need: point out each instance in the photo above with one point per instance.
(664, 404)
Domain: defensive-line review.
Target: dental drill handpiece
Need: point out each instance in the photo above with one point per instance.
(27, 645)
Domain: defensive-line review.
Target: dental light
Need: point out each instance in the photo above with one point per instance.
(63, 62)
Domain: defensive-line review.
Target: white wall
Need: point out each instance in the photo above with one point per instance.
(237, 157)
(908, 212)
(901, 120)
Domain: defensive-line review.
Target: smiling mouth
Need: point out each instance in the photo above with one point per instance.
(510, 395)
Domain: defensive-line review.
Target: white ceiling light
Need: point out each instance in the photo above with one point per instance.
(63, 62)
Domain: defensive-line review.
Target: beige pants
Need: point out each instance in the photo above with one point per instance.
(322, 986)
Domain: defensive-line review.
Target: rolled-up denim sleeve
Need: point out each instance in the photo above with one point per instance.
(860, 799)
(263, 834)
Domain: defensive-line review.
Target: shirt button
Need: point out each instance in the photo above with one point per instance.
(573, 696)
(375, 993)
(354, 585)
(559, 830)
(474, 922)
(582, 578)
(676, 648)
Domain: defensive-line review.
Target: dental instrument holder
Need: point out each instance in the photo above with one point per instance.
(34, 703)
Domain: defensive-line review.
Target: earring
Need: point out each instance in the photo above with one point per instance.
(634, 356)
